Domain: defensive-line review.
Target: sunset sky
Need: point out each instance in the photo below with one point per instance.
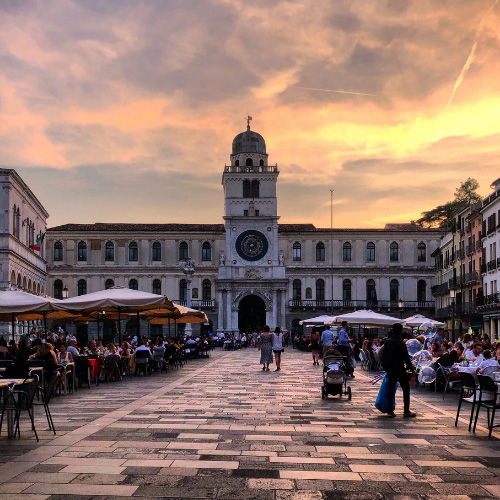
(124, 111)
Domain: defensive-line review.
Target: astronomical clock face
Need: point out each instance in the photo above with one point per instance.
(251, 245)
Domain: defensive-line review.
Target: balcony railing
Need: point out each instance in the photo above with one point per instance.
(469, 250)
(492, 265)
(251, 169)
(479, 245)
(197, 304)
(441, 289)
(491, 302)
(359, 304)
(443, 312)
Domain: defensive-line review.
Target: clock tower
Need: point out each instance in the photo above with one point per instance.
(251, 282)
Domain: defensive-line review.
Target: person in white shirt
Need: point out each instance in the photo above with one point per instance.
(487, 362)
(475, 355)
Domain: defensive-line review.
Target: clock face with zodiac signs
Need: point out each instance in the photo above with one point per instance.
(251, 245)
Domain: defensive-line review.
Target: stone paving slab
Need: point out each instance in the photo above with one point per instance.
(223, 429)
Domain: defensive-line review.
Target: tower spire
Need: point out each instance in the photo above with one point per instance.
(248, 122)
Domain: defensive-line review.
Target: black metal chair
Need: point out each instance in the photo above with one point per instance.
(488, 398)
(469, 386)
(82, 370)
(142, 360)
(17, 370)
(20, 398)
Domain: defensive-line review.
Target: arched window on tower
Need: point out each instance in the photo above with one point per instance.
(320, 252)
(82, 287)
(297, 290)
(249, 162)
(237, 163)
(247, 189)
(255, 189)
(261, 163)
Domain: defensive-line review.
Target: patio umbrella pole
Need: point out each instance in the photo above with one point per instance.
(149, 324)
(98, 325)
(13, 326)
(139, 326)
(119, 326)
(169, 327)
(45, 321)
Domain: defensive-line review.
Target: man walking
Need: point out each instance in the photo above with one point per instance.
(326, 340)
(344, 347)
(395, 361)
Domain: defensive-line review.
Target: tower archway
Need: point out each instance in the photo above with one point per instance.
(251, 314)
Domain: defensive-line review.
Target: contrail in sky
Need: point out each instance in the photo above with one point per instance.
(470, 59)
(336, 91)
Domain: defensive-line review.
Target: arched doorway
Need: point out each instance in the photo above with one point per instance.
(251, 314)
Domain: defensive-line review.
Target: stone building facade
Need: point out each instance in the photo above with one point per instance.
(251, 270)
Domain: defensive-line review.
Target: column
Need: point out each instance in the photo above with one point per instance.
(275, 310)
(283, 309)
(220, 312)
(188, 330)
(229, 318)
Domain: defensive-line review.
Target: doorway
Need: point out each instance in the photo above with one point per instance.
(251, 314)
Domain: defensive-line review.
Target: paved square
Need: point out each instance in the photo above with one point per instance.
(223, 429)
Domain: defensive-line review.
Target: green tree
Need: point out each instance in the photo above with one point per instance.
(442, 215)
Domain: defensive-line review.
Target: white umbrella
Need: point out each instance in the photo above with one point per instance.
(420, 320)
(14, 303)
(318, 320)
(116, 299)
(365, 317)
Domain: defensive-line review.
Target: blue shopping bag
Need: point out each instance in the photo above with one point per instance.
(381, 402)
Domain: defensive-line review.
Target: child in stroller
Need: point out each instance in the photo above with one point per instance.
(334, 378)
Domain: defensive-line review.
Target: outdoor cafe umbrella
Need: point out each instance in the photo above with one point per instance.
(420, 320)
(116, 299)
(365, 317)
(184, 315)
(14, 303)
(318, 320)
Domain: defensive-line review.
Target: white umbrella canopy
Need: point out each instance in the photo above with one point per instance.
(16, 302)
(420, 320)
(318, 320)
(116, 299)
(366, 317)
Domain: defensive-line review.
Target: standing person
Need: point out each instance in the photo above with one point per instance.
(344, 347)
(266, 348)
(278, 347)
(254, 338)
(326, 340)
(395, 361)
(314, 339)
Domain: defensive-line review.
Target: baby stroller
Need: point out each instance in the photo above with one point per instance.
(334, 378)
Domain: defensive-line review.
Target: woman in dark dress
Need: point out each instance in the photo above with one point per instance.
(266, 348)
(315, 337)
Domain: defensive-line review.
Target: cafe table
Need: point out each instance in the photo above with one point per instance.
(69, 367)
(5, 384)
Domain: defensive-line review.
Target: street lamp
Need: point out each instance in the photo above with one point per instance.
(452, 297)
(188, 269)
(65, 293)
(400, 305)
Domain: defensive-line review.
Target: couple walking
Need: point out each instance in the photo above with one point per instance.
(269, 343)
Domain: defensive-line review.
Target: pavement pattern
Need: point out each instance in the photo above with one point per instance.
(223, 429)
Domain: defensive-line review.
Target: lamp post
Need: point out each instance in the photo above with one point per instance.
(452, 297)
(400, 305)
(331, 244)
(65, 293)
(188, 270)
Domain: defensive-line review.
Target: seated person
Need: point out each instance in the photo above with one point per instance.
(92, 351)
(72, 347)
(124, 356)
(159, 353)
(447, 359)
(487, 362)
(475, 355)
(110, 366)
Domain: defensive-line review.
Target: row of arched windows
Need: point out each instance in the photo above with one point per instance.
(248, 163)
(26, 284)
(371, 291)
(133, 251)
(347, 252)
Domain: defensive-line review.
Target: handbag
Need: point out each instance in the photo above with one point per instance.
(381, 402)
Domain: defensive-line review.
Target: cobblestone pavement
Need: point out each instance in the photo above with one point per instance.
(224, 429)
